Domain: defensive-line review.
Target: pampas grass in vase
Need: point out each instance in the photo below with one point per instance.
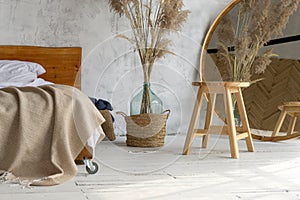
(151, 22)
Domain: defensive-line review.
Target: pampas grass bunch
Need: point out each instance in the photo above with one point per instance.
(258, 21)
(151, 21)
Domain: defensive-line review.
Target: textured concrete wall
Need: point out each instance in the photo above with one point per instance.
(111, 69)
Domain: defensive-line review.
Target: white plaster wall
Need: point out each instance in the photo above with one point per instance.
(110, 68)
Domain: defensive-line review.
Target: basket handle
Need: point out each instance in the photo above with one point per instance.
(121, 113)
(168, 112)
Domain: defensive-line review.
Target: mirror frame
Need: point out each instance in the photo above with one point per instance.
(209, 35)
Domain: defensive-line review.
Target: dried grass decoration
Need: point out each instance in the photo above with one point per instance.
(239, 45)
(151, 22)
(258, 21)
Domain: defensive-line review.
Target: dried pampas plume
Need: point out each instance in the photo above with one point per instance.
(258, 21)
(151, 21)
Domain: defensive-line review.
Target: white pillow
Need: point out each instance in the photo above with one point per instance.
(19, 71)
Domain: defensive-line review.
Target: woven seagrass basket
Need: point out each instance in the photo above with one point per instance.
(146, 130)
(107, 126)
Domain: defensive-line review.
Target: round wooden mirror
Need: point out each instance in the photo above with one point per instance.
(280, 80)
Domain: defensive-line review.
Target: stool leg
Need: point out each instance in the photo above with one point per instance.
(244, 118)
(279, 122)
(194, 119)
(231, 124)
(292, 125)
(209, 116)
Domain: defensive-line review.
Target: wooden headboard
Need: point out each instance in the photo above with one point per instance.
(62, 64)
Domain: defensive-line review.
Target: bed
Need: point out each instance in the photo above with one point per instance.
(62, 65)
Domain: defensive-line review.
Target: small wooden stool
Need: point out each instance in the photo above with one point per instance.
(210, 90)
(293, 110)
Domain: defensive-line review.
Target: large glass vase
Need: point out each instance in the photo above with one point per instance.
(146, 101)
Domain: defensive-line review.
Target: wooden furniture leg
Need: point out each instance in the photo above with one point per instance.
(291, 125)
(193, 122)
(244, 119)
(211, 101)
(231, 124)
(279, 123)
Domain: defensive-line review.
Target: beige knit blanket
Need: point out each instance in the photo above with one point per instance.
(42, 130)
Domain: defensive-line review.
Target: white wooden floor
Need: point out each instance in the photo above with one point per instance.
(272, 172)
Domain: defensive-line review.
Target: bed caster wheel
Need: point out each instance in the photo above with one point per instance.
(91, 167)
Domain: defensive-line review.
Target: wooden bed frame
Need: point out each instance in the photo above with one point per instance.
(61, 63)
(62, 66)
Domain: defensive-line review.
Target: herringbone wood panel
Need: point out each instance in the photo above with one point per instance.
(281, 84)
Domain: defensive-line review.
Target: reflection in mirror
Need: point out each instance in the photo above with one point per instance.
(241, 47)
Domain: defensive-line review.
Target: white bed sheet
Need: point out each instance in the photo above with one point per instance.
(35, 83)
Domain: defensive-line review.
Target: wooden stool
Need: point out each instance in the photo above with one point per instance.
(210, 90)
(293, 110)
